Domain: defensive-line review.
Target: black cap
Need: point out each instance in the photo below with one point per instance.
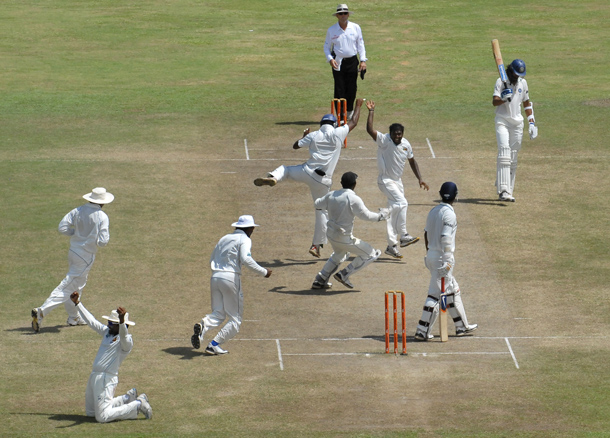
(348, 179)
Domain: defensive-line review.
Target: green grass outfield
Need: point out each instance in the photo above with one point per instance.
(154, 99)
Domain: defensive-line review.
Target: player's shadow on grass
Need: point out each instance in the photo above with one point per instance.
(289, 262)
(187, 353)
(482, 201)
(44, 329)
(298, 122)
(76, 420)
(312, 292)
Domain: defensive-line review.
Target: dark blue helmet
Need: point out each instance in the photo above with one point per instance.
(518, 67)
(448, 191)
(328, 119)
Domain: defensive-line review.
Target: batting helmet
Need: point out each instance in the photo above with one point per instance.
(518, 67)
(448, 191)
(328, 119)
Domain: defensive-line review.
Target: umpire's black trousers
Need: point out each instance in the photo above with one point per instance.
(346, 81)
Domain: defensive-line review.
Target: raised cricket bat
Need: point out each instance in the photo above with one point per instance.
(442, 321)
(495, 47)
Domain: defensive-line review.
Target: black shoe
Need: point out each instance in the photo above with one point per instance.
(195, 338)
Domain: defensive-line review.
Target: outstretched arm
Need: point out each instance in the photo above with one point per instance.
(296, 143)
(352, 123)
(415, 169)
(369, 122)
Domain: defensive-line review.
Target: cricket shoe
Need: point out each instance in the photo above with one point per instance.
(466, 330)
(343, 280)
(419, 336)
(268, 181)
(214, 350)
(506, 197)
(319, 285)
(73, 322)
(36, 319)
(132, 395)
(315, 250)
(195, 340)
(393, 251)
(407, 240)
(145, 406)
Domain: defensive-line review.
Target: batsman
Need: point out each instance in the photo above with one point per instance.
(439, 237)
(507, 98)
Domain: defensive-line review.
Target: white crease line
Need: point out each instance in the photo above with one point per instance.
(246, 146)
(279, 354)
(430, 146)
(511, 353)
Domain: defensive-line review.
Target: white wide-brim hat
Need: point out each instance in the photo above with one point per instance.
(114, 317)
(99, 195)
(342, 8)
(245, 221)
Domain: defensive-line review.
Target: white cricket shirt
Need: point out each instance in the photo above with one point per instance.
(88, 227)
(342, 206)
(324, 147)
(391, 158)
(345, 43)
(511, 111)
(441, 221)
(231, 252)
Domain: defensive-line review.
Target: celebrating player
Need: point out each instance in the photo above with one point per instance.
(231, 252)
(88, 227)
(392, 153)
(509, 125)
(117, 343)
(439, 236)
(343, 205)
(324, 150)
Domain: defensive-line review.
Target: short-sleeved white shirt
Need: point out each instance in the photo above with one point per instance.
(391, 158)
(441, 221)
(324, 147)
(511, 111)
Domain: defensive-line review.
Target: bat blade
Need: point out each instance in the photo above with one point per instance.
(495, 47)
(442, 322)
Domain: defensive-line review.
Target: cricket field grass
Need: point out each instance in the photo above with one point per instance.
(177, 106)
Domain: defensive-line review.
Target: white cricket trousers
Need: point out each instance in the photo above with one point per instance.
(509, 136)
(397, 203)
(344, 245)
(79, 266)
(101, 403)
(227, 301)
(318, 185)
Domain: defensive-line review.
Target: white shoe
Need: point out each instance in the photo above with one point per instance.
(466, 330)
(319, 285)
(36, 319)
(419, 336)
(73, 322)
(132, 395)
(407, 240)
(393, 251)
(506, 197)
(214, 350)
(145, 406)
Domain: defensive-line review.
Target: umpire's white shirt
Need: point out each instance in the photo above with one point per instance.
(511, 111)
(343, 205)
(324, 147)
(113, 349)
(345, 43)
(391, 158)
(88, 227)
(231, 252)
(441, 221)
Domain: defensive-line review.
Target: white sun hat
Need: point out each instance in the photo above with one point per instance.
(342, 8)
(114, 317)
(99, 195)
(245, 221)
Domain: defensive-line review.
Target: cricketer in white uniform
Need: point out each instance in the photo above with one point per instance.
(117, 343)
(439, 236)
(87, 227)
(343, 206)
(509, 126)
(324, 150)
(393, 151)
(227, 298)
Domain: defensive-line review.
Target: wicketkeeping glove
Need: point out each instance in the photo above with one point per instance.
(533, 131)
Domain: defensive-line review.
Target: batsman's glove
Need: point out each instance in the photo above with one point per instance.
(445, 269)
(384, 214)
(533, 131)
(506, 94)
